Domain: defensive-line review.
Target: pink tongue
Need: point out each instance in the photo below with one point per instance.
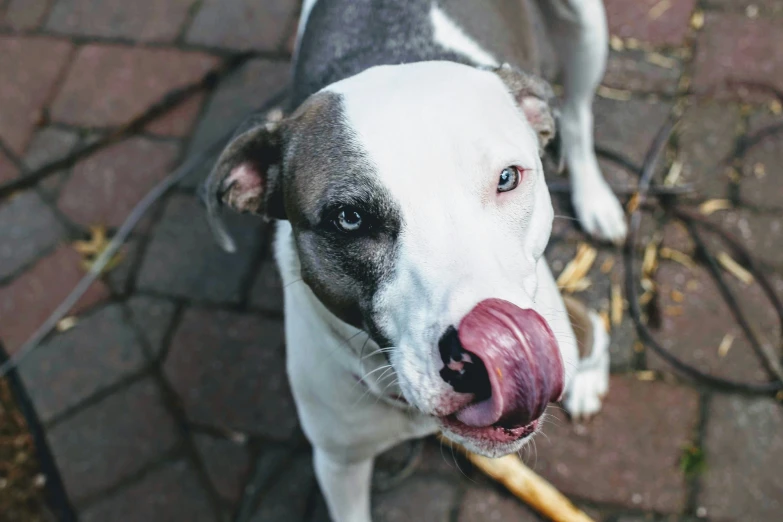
(522, 359)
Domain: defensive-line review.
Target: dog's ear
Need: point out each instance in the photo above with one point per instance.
(533, 95)
(246, 177)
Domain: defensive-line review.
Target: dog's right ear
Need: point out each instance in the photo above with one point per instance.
(246, 179)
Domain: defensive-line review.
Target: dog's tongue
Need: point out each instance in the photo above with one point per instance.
(522, 359)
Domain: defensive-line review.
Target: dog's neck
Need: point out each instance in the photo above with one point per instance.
(341, 38)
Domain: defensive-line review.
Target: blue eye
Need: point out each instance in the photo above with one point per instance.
(509, 179)
(348, 220)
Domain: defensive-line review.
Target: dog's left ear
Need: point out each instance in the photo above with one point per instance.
(533, 95)
(246, 178)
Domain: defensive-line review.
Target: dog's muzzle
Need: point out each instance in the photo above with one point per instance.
(509, 360)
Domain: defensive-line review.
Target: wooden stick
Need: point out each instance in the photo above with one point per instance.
(526, 485)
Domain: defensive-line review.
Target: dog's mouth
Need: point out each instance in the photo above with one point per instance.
(496, 433)
(509, 362)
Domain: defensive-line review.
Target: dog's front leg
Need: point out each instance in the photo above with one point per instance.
(580, 37)
(345, 485)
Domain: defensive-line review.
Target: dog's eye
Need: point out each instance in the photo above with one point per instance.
(348, 220)
(509, 179)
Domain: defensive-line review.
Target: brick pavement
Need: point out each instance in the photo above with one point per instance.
(167, 399)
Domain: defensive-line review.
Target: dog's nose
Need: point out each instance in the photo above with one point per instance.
(462, 370)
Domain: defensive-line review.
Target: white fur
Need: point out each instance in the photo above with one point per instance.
(449, 35)
(580, 37)
(583, 398)
(462, 243)
(307, 7)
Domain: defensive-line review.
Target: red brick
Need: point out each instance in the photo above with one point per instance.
(109, 84)
(242, 24)
(418, 498)
(637, 20)
(28, 300)
(760, 233)
(732, 50)
(764, 191)
(184, 260)
(180, 120)
(141, 20)
(106, 186)
(219, 359)
(8, 170)
(112, 439)
(629, 126)
(480, 505)
(707, 134)
(170, 493)
(31, 67)
(765, 7)
(29, 229)
(23, 15)
(238, 96)
(71, 367)
(267, 292)
(227, 464)
(629, 454)
(744, 452)
(289, 495)
(630, 70)
(705, 307)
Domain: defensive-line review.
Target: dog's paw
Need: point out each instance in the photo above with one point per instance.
(600, 212)
(589, 385)
(585, 397)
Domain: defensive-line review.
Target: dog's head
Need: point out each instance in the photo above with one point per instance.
(419, 213)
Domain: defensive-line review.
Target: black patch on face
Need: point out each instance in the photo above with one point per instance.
(324, 170)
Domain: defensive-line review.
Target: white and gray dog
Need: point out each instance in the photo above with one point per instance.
(412, 220)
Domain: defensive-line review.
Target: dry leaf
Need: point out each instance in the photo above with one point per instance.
(632, 43)
(759, 170)
(733, 174)
(661, 60)
(677, 256)
(775, 107)
(674, 174)
(604, 315)
(645, 375)
(97, 243)
(697, 20)
(613, 94)
(658, 9)
(66, 323)
(677, 296)
(617, 304)
(579, 285)
(725, 345)
(616, 43)
(735, 268)
(672, 311)
(713, 205)
(92, 249)
(752, 11)
(684, 83)
(607, 265)
(650, 259)
(633, 203)
(692, 285)
(577, 268)
(638, 347)
(645, 298)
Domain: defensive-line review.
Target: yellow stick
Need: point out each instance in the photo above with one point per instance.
(526, 485)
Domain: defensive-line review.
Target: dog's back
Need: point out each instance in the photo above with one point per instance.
(341, 38)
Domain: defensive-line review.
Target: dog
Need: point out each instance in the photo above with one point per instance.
(412, 217)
